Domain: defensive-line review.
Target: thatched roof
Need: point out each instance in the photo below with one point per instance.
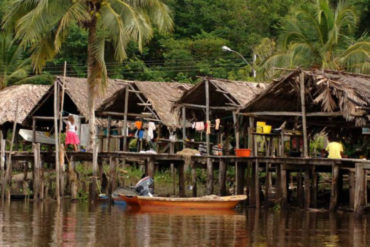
(238, 93)
(326, 91)
(76, 97)
(27, 97)
(160, 97)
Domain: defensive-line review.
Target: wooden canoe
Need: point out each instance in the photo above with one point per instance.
(205, 202)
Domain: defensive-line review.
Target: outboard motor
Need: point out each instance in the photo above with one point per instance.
(145, 187)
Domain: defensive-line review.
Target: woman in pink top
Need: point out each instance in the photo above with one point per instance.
(71, 135)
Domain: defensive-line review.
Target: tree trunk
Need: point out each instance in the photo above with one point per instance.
(94, 80)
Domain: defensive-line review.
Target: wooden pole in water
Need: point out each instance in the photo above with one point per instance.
(360, 179)
(36, 174)
(127, 95)
(93, 194)
(8, 174)
(303, 107)
(181, 180)
(307, 188)
(251, 195)
(222, 177)
(283, 185)
(62, 98)
(334, 188)
(56, 133)
(193, 178)
(73, 178)
(239, 174)
(209, 162)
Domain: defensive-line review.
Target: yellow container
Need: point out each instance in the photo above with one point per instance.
(260, 125)
(267, 129)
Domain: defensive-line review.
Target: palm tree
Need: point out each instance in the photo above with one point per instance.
(13, 65)
(321, 37)
(42, 25)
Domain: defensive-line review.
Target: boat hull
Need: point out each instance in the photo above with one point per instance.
(200, 203)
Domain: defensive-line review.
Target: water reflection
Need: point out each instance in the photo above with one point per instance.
(45, 224)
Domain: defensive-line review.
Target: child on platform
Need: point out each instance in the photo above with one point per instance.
(71, 135)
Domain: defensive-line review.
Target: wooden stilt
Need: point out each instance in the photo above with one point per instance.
(209, 177)
(334, 188)
(73, 179)
(267, 181)
(239, 174)
(181, 180)
(209, 162)
(125, 120)
(37, 167)
(2, 164)
(150, 164)
(283, 186)
(251, 173)
(307, 188)
(315, 182)
(278, 182)
(193, 179)
(359, 201)
(62, 164)
(172, 167)
(56, 136)
(303, 108)
(252, 192)
(112, 175)
(352, 186)
(222, 177)
(257, 185)
(300, 189)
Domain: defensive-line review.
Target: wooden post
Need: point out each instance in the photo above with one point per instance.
(127, 95)
(181, 180)
(334, 188)
(300, 188)
(257, 185)
(193, 178)
(209, 162)
(61, 159)
(108, 134)
(267, 181)
(183, 125)
(62, 99)
(359, 201)
(251, 190)
(303, 107)
(112, 175)
(34, 130)
(307, 188)
(352, 186)
(222, 177)
(283, 186)
(150, 164)
(278, 182)
(56, 134)
(37, 167)
(2, 164)
(73, 179)
(8, 174)
(315, 182)
(239, 174)
(173, 171)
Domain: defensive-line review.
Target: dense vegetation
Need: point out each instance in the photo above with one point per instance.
(263, 27)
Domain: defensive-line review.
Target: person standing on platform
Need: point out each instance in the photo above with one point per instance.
(71, 135)
(334, 149)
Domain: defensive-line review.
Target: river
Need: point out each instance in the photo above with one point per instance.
(77, 224)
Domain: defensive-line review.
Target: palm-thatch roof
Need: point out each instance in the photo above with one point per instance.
(27, 97)
(223, 95)
(342, 94)
(146, 96)
(76, 97)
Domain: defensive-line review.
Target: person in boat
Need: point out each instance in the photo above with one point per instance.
(334, 148)
(71, 135)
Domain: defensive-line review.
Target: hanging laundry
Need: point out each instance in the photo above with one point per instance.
(199, 126)
(138, 124)
(193, 125)
(151, 129)
(141, 134)
(208, 129)
(217, 125)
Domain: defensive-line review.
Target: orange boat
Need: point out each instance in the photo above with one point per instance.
(206, 202)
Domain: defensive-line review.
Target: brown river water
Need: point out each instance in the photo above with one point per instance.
(77, 224)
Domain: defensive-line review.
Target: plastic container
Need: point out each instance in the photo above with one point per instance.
(260, 125)
(267, 129)
(243, 152)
